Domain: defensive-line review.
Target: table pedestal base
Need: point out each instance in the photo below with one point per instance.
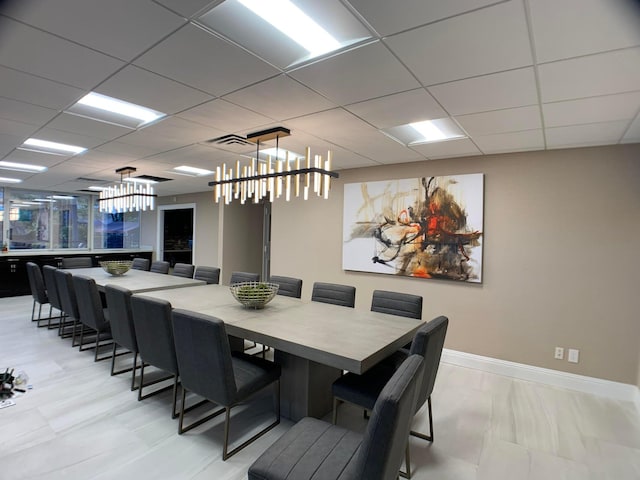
(305, 386)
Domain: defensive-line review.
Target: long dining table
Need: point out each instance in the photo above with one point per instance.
(136, 280)
(313, 342)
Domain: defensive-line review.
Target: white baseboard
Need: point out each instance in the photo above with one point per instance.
(581, 383)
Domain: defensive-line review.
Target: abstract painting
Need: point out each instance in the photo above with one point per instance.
(429, 227)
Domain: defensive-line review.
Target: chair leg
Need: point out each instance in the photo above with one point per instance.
(428, 438)
(336, 404)
(174, 414)
(133, 371)
(142, 384)
(225, 452)
(407, 461)
(33, 311)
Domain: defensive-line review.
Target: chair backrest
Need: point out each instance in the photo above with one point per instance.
(239, 277)
(383, 445)
(36, 283)
(395, 303)
(204, 356)
(428, 342)
(208, 274)
(49, 275)
(67, 293)
(77, 262)
(288, 286)
(183, 270)
(141, 264)
(159, 266)
(120, 316)
(89, 303)
(344, 295)
(154, 334)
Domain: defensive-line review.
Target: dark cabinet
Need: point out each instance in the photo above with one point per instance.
(13, 271)
(13, 277)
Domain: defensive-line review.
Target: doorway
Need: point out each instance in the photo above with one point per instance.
(175, 230)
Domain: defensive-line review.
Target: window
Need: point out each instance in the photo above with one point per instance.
(115, 230)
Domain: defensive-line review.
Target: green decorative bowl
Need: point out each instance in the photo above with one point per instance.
(254, 294)
(116, 267)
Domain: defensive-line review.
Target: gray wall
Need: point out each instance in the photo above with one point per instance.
(560, 257)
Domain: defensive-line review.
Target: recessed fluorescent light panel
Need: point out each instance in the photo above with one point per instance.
(192, 171)
(279, 153)
(112, 110)
(96, 188)
(9, 180)
(286, 32)
(427, 131)
(52, 148)
(139, 180)
(22, 167)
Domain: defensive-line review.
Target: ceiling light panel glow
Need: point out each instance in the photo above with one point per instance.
(22, 167)
(45, 146)
(286, 33)
(426, 131)
(194, 171)
(9, 180)
(113, 105)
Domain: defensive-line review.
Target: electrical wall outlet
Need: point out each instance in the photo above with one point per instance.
(559, 354)
(573, 355)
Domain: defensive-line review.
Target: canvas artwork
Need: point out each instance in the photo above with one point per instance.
(428, 227)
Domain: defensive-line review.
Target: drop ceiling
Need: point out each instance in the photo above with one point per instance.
(515, 75)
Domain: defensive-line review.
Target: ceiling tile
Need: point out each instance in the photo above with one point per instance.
(120, 28)
(141, 87)
(585, 135)
(187, 8)
(633, 132)
(193, 56)
(86, 126)
(516, 88)
(42, 54)
(387, 18)
(24, 156)
(38, 91)
(25, 112)
(224, 116)
(198, 156)
(511, 142)
(19, 129)
(359, 74)
(602, 74)
(280, 98)
(450, 148)
(595, 26)
(501, 121)
(128, 150)
(9, 142)
(485, 41)
(398, 109)
(70, 138)
(170, 133)
(592, 110)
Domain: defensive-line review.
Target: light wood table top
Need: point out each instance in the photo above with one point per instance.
(136, 280)
(340, 337)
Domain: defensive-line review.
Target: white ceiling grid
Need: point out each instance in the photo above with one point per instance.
(516, 75)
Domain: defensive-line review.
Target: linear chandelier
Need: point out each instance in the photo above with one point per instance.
(127, 196)
(271, 179)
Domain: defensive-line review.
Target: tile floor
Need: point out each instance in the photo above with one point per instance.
(78, 422)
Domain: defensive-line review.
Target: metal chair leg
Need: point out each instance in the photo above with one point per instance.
(428, 438)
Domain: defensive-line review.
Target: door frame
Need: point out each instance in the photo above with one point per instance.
(160, 228)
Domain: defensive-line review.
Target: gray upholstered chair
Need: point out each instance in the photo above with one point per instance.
(77, 262)
(154, 335)
(363, 390)
(208, 369)
(344, 295)
(316, 449)
(67, 294)
(183, 270)
(288, 286)
(48, 274)
(122, 329)
(92, 314)
(38, 292)
(239, 277)
(141, 264)
(159, 266)
(395, 303)
(211, 275)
